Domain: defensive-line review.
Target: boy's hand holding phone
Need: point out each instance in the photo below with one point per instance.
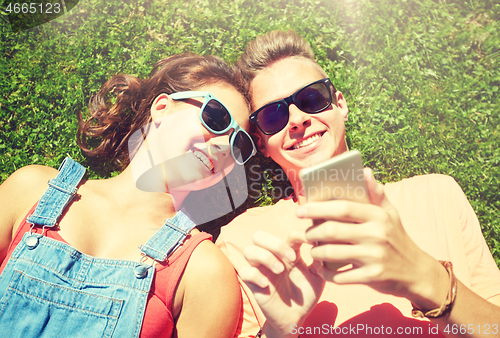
(340, 178)
(369, 236)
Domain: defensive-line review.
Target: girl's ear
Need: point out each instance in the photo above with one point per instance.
(342, 105)
(161, 106)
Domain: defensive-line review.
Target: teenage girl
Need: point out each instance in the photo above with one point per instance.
(119, 257)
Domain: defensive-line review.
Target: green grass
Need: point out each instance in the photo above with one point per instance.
(421, 78)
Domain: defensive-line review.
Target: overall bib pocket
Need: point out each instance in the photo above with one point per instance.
(90, 315)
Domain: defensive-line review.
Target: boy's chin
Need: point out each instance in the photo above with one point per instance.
(305, 162)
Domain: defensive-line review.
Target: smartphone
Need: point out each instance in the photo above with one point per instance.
(341, 177)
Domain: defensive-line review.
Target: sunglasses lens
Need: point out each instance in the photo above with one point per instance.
(313, 98)
(242, 147)
(216, 116)
(273, 118)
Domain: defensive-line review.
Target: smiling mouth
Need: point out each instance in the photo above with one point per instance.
(204, 159)
(306, 141)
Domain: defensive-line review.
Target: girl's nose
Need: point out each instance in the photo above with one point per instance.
(220, 151)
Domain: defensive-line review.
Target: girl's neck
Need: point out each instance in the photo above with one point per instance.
(122, 188)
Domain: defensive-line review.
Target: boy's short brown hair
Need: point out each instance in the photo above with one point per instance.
(271, 47)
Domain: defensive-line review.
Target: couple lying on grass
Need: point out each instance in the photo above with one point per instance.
(414, 261)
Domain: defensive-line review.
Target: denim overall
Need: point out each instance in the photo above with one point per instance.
(50, 289)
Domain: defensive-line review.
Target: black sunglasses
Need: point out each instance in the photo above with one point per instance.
(312, 98)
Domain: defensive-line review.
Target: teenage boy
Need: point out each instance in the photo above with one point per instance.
(400, 281)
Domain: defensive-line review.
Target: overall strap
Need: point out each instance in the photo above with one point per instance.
(170, 236)
(60, 192)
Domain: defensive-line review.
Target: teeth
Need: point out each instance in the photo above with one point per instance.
(204, 159)
(306, 142)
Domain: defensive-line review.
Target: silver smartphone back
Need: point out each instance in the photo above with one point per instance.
(341, 177)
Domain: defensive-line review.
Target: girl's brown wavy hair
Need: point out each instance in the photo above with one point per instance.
(123, 103)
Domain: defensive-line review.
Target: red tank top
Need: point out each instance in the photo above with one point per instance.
(158, 317)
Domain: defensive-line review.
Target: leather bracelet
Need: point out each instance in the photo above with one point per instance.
(445, 308)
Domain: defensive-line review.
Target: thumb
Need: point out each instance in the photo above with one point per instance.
(375, 190)
(295, 240)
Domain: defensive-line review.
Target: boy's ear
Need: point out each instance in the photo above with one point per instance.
(342, 104)
(161, 105)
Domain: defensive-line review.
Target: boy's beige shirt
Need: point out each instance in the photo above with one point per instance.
(437, 216)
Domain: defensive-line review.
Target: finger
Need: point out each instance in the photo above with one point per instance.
(325, 272)
(251, 275)
(375, 190)
(343, 253)
(257, 257)
(315, 266)
(338, 232)
(295, 240)
(340, 210)
(276, 245)
(356, 275)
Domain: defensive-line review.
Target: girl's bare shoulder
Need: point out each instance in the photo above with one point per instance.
(17, 195)
(23, 189)
(28, 181)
